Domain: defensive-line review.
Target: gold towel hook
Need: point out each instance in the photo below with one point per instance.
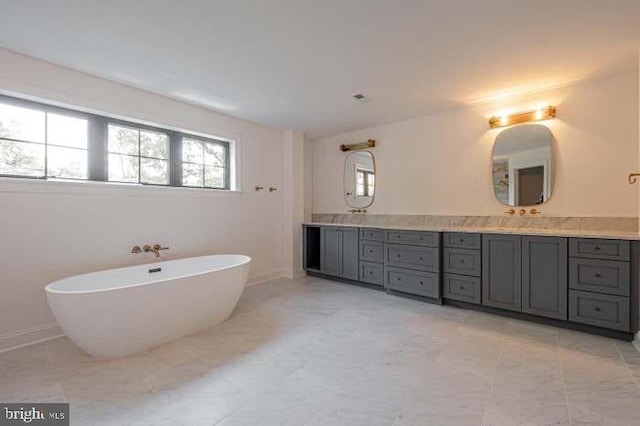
(633, 178)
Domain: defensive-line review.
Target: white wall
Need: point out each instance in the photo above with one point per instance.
(293, 202)
(308, 178)
(440, 164)
(51, 230)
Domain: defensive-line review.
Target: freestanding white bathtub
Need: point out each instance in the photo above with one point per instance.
(118, 312)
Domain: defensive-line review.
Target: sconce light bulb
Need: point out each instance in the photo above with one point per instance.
(504, 120)
(538, 114)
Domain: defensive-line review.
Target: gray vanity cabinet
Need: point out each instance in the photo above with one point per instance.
(544, 276)
(502, 271)
(586, 284)
(412, 263)
(349, 267)
(339, 248)
(601, 278)
(372, 256)
(461, 263)
(525, 274)
(331, 251)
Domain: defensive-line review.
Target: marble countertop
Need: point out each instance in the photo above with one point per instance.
(581, 233)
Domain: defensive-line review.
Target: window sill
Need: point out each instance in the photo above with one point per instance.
(37, 186)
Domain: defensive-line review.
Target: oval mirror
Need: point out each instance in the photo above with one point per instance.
(523, 165)
(359, 179)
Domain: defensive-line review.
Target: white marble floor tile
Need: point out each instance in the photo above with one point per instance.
(315, 352)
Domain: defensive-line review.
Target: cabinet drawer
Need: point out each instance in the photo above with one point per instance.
(372, 273)
(373, 234)
(413, 282)
(459, 287)
(600, 276)
(371, 251)
(461, 261)
(601, 310)
(417, 238)
(461, 240)
(423, 258)
(599, 249)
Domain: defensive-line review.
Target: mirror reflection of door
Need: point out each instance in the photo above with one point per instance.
(530, 188)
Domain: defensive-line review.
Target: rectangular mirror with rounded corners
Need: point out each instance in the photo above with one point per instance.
(523, 165)
(359, 179)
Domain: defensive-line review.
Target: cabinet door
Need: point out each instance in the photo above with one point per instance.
(349, 265)
(331, 251)
(544, 276)
(502, 271)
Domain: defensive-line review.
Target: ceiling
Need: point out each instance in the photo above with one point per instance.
(296, 63)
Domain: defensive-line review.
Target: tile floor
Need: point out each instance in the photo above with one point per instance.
(315, 352)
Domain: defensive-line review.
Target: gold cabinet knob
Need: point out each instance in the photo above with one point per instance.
(510, 211)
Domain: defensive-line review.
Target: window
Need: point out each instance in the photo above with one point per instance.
(41, 143)
(138, 155)
(365, 183)
(204, 163)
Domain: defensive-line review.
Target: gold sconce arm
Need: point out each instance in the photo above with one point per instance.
(633, 178)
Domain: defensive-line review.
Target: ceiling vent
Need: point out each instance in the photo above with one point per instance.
(361, 98)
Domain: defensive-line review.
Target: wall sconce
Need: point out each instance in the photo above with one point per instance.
(523, 117)
(371, 143)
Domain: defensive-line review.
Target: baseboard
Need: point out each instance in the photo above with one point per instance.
(30, 336)
(294, 274)
(299, 273)
(265, 277)
(275, 275)
(636, 341)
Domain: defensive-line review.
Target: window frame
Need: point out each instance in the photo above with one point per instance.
(227, 163)
(46, 109)
(98, 147)
(139, 128)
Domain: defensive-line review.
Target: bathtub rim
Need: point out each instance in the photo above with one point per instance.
(244, 261)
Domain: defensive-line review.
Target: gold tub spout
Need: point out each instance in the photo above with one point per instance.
(155, 249)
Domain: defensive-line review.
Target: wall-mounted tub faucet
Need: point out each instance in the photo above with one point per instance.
(155, 249)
